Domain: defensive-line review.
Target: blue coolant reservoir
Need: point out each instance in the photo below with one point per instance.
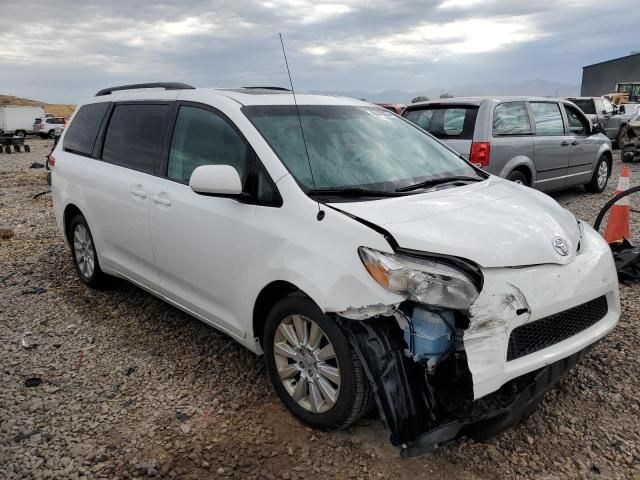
(432, 334)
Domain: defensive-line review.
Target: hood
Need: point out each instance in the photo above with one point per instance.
(494, 223)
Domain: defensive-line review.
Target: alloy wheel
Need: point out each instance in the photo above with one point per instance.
(307, 364)
(83, 250)
(603, 174)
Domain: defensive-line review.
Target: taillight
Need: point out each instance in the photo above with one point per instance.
(480, 153)
(51, 161)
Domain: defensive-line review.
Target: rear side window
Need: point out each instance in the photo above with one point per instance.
(548, 118)
(511, 118)
(450, 121)
(585, 104)
(81, 134)
(134, 136)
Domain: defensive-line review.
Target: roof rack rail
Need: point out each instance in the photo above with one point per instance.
(135, 86)
(268, 88)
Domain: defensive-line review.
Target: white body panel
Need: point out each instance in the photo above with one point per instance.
(16, 118)
(212, 256)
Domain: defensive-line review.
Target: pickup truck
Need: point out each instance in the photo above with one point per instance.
(600, 110)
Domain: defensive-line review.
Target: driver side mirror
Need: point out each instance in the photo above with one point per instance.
(621, 109)
(596, 128)
(216, 180)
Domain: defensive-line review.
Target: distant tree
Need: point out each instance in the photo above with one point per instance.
(420, 98)
(446, 95)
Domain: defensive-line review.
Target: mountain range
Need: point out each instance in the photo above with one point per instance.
(544, 88)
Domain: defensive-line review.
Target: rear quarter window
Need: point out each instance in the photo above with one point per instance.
(81, 134)
(445, 121)
(134, 136)
(511, 118)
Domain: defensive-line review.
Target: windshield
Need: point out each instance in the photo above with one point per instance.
(350, 146)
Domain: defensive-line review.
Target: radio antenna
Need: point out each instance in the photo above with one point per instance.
(304, 140)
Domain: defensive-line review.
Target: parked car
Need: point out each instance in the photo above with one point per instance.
(544, 143)
(47, 127)
(349, 246)
(393, 107)
(17, 119)
(600, 110)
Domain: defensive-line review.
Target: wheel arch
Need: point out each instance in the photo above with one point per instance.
(521, 163)
(266, 299)
(70, 211)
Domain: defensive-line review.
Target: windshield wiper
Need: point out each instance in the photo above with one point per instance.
(432, 182)
(352, 192)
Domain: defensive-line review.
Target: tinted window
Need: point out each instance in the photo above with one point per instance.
(578, 124)
(81, 134)
(202, 137)
(451, 121)
(511, 118)
(548, 118)
(134, 136)
(585, 104)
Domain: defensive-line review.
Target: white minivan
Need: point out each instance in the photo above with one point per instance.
(367, 261)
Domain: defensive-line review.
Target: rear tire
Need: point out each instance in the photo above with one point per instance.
(296, 326)
(518, 177)
(84, 254)
(600, 176)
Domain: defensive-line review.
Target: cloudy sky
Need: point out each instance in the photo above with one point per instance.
(62, 51)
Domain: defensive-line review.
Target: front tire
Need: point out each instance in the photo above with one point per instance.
(83, 252)
(600, 176)
(51, 134)
(312, 366)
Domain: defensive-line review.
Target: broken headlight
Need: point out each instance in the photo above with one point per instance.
(419, 279)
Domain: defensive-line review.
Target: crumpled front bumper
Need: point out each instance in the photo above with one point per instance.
(512, 297)
(525, 398)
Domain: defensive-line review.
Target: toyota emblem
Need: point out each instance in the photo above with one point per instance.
(560, 246)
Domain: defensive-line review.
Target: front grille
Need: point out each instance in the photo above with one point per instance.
(555, 328)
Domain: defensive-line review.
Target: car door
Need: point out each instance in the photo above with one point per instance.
(119, 188)
(551, 150)
(201, 241)
(584, 147)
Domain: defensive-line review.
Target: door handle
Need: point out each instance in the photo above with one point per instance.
(139, 193)
(575, 143)
(565, 143)
(161, 201)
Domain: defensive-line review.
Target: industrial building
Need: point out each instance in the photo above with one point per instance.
(602, 78)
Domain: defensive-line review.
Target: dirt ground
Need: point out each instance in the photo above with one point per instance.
(116, 384)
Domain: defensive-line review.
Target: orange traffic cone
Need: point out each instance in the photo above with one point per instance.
(618, 223)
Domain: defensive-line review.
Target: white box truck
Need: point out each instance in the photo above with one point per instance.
(18, 120)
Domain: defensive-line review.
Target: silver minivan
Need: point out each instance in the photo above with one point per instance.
(544, 143)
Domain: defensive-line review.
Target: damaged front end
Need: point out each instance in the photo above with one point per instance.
(416, 361)
(472, 351)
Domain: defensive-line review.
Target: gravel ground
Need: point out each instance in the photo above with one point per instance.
(116, 384)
